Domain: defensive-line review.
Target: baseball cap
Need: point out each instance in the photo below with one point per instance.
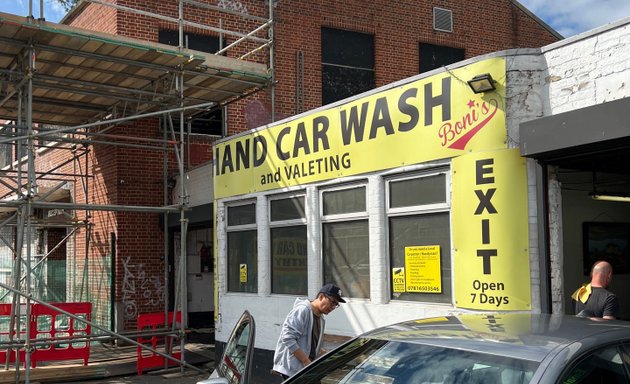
(332, 290)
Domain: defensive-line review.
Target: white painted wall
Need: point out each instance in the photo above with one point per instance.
(524, 101)
(588, 69)
(199, 186)
(585, 70)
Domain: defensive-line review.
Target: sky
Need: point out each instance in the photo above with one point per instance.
(568, 17)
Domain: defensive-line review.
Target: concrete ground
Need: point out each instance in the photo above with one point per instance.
(188, 377)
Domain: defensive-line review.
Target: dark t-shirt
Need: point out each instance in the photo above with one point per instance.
(600, 303)
(317, 328)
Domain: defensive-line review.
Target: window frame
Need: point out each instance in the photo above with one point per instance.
(414, 211)
(424, 208)
(238, 228)
(327, 98)
(349, 216)
(434, 48)
(344, 218)
(284, 223)
(274, 224)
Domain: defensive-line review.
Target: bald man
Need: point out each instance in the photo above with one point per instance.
(601, 303)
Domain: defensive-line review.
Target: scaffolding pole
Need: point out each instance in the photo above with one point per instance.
(23, 178)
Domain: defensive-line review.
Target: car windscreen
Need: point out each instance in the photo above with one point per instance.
(379, 361)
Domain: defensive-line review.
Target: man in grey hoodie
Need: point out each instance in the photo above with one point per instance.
(303, 330)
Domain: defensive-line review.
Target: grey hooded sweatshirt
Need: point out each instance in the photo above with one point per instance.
(295, 333)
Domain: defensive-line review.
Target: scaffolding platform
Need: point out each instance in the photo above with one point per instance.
(82, 75)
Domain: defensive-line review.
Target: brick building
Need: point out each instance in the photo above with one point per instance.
(322, 52)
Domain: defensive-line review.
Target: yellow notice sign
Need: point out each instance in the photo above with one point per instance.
(243, 273)
(422, 264)
(398, 279)
(490, 231)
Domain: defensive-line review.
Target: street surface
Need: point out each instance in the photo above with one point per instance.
(174, 376)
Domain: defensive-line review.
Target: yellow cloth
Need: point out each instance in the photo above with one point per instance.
(582, 294)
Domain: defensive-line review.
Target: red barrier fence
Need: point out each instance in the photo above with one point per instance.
(162, 343)
(6, 332)
(47, 323)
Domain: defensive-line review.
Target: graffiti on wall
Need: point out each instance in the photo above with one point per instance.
(232, 5)
(138, 286)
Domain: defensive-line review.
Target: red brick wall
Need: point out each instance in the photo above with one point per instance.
(96, 17)
(135, 177)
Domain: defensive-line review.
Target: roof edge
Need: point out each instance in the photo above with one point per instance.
(536, 18)
(74, 12)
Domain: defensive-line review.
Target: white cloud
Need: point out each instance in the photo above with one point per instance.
(576, 16)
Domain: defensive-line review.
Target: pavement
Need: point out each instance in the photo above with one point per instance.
(174, 376)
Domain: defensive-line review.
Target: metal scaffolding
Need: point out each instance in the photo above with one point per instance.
(66, 93)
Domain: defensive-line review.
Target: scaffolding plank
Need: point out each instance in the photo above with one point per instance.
(76, 66)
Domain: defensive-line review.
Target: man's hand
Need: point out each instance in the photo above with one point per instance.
(303, 357)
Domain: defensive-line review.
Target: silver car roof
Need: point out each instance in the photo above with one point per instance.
(523, 336)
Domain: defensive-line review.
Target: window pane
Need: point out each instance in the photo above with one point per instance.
(602, 366)
(288, 260)
(344, 201)
(347, 64)
(418, 191)
(242, 255)
(436, 56)
(242, 214)
(287, 209)
(339, 83)
(347, 48)
(234, 364)
(346, 257)
(429, 229)
(377, 360)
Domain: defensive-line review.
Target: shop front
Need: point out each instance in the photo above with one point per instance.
(411, 198)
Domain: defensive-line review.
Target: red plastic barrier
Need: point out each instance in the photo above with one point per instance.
(49, 323)
(5, 322)
(154, 321)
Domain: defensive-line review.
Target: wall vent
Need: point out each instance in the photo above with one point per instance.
(442, 19)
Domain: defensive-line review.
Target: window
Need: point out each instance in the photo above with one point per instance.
(347, 64)
(236, 362)
(207, 123)
(436, 56)
(6, 149)
(346, 252)
(602, 366)
(379, 360)
(419, 238)
(288, 246)
(242, 248)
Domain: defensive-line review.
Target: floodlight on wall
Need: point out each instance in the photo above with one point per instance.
(610, 197)
(482, 83)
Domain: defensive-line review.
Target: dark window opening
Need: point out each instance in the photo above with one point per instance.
(203, 43)
(436, 56)
(206, 123)
(347, 64)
